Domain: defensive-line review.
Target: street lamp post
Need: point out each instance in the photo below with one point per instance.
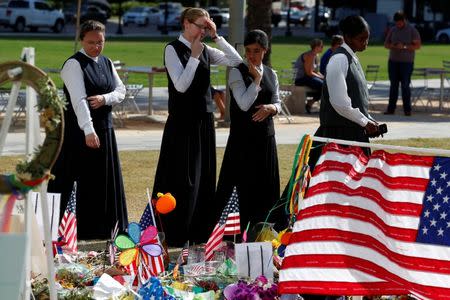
(166, 16)
(119, 28)
(288, 20)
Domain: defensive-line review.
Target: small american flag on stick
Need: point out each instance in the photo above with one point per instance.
(229, 224)
(182, 258)
(68, 226)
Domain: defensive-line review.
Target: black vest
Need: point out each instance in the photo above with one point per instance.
(196, 100)
(356, 90)
(241, 121)
(98, 80)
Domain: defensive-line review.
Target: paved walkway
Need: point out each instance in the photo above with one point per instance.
(425, 123)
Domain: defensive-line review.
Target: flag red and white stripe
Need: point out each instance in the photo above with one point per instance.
(356, 230)
(183, 257)
(233, 224)
(156, 264)
(68, 226)
(214, 241)
(229, 224)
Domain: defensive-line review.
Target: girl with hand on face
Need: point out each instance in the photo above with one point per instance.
(187, 162)
(89, 153)
(250, 162)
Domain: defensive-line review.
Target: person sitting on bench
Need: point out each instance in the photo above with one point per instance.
(307, 71)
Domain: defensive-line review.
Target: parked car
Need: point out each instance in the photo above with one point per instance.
(20, 14)
(94, 13)
(3, 20)
(218, 16)
(70, 9)
(332, 26)
(443, 36)
(141, 15)
(173, 19)
(225, 14)
(297, 16)
(170, 6)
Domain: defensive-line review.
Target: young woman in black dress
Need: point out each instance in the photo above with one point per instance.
(250, 162)
(187, 161)
(89, 153)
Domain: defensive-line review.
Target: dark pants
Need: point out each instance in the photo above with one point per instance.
(400, 72)
(313, 82)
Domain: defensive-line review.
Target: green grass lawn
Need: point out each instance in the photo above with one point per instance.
(138, 168)
(51, 53)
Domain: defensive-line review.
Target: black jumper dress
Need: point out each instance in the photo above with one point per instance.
(250, 162)
(187, 160)
(332, 124)
(100, 193)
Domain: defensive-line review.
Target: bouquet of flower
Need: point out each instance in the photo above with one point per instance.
(260, 289)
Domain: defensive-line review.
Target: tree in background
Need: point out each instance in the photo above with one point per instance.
(259, 17)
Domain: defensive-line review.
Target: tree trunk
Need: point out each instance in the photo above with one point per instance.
(259, 14)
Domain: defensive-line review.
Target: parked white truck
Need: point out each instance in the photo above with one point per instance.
(20, 14)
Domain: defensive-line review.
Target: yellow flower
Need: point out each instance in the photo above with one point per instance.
(275, 243)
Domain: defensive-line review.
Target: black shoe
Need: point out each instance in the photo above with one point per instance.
(407, 113)
(388, 112)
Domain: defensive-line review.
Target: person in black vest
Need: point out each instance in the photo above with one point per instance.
(250, 162)
(344, 107)
(187, 161)
(89, 153)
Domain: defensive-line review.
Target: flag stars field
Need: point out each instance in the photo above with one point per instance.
(436, 206)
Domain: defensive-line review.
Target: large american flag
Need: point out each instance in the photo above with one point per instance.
(155, 263)
(229, 224)
(68, 226)
(372, 227)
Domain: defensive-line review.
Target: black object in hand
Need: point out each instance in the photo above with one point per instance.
(382, 129)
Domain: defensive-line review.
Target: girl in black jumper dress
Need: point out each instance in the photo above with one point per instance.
(89, 153)
(187, 161)
(250, 162)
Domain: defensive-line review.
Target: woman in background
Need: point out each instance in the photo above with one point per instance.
(307, 71)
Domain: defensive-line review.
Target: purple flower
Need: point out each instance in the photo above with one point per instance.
(260, 289)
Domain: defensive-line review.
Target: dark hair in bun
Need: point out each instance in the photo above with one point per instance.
(353, 25)
(257, 36)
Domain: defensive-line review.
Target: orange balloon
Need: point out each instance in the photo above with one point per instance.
(285, 238)
(165, 203)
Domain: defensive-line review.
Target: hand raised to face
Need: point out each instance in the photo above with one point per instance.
(254, 72)
(212, 27)
(197, 47)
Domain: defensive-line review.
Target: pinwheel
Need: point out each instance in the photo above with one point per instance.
(111, 246)
(137, 245)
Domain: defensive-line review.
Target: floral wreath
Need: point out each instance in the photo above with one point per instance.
(33, 172)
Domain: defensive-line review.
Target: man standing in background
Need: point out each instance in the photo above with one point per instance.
(402, 41)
